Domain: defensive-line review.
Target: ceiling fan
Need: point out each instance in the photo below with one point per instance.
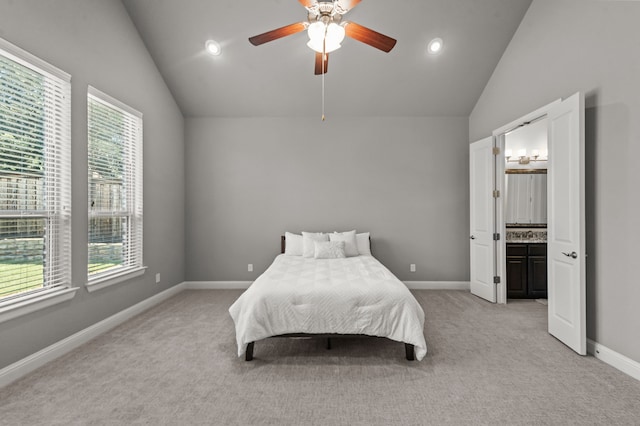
(326, 30)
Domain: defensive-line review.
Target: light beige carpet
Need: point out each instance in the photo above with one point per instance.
(176, 364)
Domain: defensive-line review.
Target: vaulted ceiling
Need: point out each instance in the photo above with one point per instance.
(277, 78)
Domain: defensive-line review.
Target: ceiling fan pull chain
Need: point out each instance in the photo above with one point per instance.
(324, 61)
(323, 90)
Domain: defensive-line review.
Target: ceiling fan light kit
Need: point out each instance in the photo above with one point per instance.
(325, 38)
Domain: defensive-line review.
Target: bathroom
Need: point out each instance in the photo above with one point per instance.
(526, 160)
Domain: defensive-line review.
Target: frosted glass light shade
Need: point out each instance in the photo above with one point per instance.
(335, 34)
(316, 31)
(317, 46)
(331, 36)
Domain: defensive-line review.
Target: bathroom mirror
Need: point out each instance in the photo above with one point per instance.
(526, 198)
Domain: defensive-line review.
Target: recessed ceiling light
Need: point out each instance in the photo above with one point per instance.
(213, 47)
(435, 46)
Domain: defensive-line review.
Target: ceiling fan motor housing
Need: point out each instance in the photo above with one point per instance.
(326, 8)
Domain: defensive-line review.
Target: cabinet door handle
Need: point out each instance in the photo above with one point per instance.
(572, 255)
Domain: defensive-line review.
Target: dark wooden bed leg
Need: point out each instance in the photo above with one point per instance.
(248, 356)
(410, 351)
(328, 343)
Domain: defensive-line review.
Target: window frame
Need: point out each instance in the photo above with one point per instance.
(133, 155)
(56, 288)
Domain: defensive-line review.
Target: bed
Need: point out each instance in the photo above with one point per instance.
(338, 297)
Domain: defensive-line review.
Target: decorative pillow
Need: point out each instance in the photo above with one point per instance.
(350, 244)
(329, 249)
(292, 244)
(308, 249)
(364, 244)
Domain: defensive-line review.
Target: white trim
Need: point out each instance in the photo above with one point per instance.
(438, 285)
(17, 307)
(26, 365)
(217, 285)
(30, 61)
(114, 278)
(532, 116)
(614, 359)
(243, 285)
(111, 102)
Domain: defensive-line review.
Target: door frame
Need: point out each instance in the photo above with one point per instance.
(499, 141)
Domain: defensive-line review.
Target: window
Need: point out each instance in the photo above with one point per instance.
(35, 179)
(115, 189)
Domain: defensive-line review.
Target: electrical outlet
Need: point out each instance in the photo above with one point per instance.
(412, 267)
(157, 277)
(250, 267)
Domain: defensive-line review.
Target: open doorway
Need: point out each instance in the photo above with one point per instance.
(526, 157)
(565, 225)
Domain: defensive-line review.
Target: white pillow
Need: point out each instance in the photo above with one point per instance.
(292, 244)
(349, 238)
(329, 249)
(308, 249)
(364, 244)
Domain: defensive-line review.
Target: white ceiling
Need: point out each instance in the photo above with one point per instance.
(276, 78)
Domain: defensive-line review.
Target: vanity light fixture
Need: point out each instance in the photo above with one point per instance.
(213, 47)
(523, 158)
(435, 46)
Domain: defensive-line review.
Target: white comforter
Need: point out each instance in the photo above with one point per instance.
(355, 295)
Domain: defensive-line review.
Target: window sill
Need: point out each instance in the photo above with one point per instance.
(20, 306)
(98, 283)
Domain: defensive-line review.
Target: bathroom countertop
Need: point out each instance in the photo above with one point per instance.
(527, 235)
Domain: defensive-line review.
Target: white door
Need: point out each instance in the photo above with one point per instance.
(566, 224)
(482, 250)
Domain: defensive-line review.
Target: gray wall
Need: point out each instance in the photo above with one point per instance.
(97, 44)
(405, 180)
(591, 46)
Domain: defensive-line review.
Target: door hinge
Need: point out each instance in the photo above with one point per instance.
(496, 237)
(496, 280)
(496, 193)
(496, 150)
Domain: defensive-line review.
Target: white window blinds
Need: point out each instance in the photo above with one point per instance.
(35, 174)
(115, 186)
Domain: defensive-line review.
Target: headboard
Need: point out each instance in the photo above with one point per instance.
(283, 243)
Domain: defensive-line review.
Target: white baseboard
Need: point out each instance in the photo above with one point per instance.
(242, 285)
(26, 365)
(217, 285)
(614, 359)
(438, 285)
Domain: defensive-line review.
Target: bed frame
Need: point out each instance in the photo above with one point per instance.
(409, 348)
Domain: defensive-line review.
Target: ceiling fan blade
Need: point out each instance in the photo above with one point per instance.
(370, 37)
(277, 33)
(320, 63)
(308, 3)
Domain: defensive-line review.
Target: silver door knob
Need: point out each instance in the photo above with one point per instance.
(472, 237)
(572, 255)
